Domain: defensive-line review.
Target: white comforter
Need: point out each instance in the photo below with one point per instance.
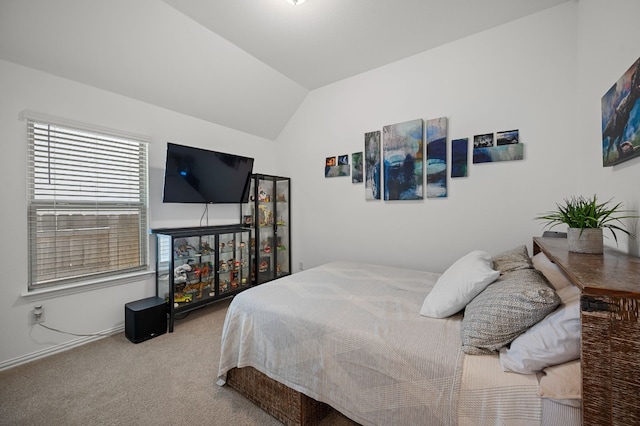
(351, 335)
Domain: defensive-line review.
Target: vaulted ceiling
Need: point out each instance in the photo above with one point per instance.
(242, 64)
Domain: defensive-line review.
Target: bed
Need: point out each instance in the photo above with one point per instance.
(385, 345)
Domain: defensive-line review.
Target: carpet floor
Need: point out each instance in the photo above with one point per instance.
(168, 380)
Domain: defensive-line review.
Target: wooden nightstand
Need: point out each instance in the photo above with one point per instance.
(610, 311)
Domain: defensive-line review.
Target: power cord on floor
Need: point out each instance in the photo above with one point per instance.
(73, 334)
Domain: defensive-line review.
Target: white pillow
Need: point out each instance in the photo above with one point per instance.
(552, 272)
(552, 341)
(459, 284)
(569, 293)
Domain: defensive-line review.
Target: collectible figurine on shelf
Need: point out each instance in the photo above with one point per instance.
(281, 198)
(180, 273)
(205, 271)
(205, 247)
(263, 196)
(223, 266)
(181, 298)
(195, 287)
(281, 245)
(181, 247)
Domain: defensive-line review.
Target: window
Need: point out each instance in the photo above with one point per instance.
(87, 194)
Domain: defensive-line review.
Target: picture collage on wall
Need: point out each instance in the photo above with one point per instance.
(395, 161)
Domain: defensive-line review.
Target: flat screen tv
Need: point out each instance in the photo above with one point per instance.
(194, 175)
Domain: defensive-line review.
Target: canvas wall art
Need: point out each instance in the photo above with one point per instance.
(508, 137)
(339, 168)
(459, 157)
(403, 161)
(621, 118)
(498, 153)
(372, 166)
(436, 133)
(483, 141)
(356, 160)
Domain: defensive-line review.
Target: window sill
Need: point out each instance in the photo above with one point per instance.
(85, 286)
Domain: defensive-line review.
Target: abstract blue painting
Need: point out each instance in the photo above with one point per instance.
(498, 153)
(459, 157)
(403, 160)
(356, 175)
(372, 167)
(437, 157)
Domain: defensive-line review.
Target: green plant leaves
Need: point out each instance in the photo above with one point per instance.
(581, 212)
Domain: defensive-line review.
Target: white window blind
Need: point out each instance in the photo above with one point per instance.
(87, 195)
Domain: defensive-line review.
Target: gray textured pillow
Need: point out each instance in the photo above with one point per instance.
(512, 260)
(506, 309)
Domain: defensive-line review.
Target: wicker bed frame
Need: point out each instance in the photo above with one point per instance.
(285, 404)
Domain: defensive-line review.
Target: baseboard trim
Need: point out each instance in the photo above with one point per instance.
(59, 348)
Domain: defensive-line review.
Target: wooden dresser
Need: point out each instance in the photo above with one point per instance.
(610, 311)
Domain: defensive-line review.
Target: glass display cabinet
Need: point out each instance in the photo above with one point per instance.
(198, 266)
(268, 214)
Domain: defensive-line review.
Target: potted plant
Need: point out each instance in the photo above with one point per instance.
(586, 219)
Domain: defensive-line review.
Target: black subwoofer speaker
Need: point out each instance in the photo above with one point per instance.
(144, 319)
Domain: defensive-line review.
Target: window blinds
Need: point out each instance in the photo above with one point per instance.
(87, 195)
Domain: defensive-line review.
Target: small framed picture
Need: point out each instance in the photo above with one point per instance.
(508, 137)
(483, 141)
(331, 161)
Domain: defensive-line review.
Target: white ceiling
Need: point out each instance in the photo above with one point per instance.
(242, 64)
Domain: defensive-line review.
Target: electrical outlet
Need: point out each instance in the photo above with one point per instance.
(37, 314)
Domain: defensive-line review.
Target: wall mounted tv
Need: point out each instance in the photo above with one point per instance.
(194, 175)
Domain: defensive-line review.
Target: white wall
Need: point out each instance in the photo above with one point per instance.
(608, 34)
(100, 309)
(543, 74)
(517, 76)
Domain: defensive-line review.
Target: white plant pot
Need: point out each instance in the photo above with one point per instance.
(588, 240)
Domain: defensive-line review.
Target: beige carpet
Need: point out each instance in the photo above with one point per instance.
(168, 380)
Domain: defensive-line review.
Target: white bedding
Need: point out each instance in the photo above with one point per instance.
(351, 335)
